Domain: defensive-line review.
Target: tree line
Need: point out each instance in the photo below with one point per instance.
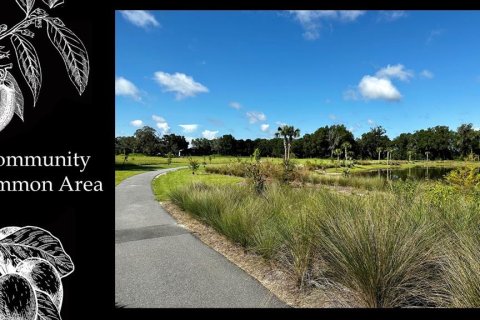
(437, 142)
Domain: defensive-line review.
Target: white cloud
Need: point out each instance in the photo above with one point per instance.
(427, 74)
(164, 127)
(140, 18)
(380, 86)
(189, 140)
(124, 87)
(137, 123)
(311, 20)
(332, 116)
(396, 71)
(370, 122)
(264, 127)
(235, 105)
(254, 116)
(188, 128)
(391, 15)
(373, 88)
(162, 124)
(158, 118)
(207, 134)
(184, 86)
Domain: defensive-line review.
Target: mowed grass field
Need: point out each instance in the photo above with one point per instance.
(163, 184)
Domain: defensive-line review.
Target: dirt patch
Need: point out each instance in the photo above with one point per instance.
(276, 278)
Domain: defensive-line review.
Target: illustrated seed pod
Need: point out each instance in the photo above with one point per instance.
(7, 104)
(11, 100)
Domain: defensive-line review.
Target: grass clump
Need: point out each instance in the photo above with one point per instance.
(395, 248)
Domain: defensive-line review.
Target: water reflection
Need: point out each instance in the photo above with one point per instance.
(416, 173)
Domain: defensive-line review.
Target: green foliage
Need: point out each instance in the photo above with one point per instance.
(256, 154)
(465, 177)
(193, 164)
(169, 158)
(254, 172)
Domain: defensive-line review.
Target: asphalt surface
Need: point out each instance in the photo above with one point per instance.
(159, 264)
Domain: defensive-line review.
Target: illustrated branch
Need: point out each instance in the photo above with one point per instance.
(65, 41)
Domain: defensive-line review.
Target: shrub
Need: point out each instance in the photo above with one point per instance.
(465, 177)
(193, 164)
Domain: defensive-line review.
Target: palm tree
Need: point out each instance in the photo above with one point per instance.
(389, 154)
(379, 151)
(427, 153)
(337, 152)
(410, 152)
(288, 133)
(346, 146)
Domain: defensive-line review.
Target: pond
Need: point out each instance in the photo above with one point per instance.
(416, 173)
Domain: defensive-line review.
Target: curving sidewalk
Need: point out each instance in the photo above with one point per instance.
(159, 264)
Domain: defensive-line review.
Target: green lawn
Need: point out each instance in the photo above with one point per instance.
(124, 174)
(164, 183)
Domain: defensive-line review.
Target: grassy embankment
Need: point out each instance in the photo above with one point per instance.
(164, 184)
(412, 246)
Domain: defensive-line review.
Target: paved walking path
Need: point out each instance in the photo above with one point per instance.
(159, 264)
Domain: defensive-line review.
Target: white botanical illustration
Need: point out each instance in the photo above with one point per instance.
(70, 47)
(32, 265)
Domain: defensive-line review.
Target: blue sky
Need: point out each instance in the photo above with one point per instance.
(209, 73)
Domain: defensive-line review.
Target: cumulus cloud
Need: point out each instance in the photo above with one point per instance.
(391, 15)
(184, 86)
(427, 74)
(140, 18)
(254, 116)
(207, 134)
(161, 124)
(380, 85)
(137, 123)
(235, 105)
(311, 20)
(397, 71)
(264, 127)
(188, 128)
(376, 88)
(124, 87)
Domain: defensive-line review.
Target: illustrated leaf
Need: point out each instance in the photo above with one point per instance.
(72, 50)
(46, 308)
(36, 242)
(19, 101)
(53, 3)
(26, 5)
(29, 64)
